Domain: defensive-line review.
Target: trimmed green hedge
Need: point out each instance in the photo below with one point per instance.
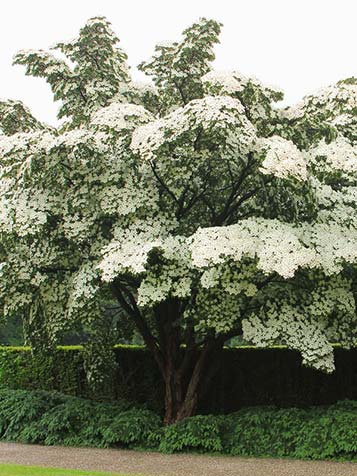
(248, 377)
(52, 418)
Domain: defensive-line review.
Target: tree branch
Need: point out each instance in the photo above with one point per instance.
(162, 183)
(221, 217)
(134, 312)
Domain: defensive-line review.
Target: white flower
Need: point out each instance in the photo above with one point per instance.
(283, 159)
(220, 113)
(119, 116)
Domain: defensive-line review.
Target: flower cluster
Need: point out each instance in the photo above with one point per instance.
(195, 192)
(338, 156)
(283, 159)
(212, 114)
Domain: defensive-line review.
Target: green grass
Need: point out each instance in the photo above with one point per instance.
(17, 470)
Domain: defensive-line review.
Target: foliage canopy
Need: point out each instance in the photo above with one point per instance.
(195, 202)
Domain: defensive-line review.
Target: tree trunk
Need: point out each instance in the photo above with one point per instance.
(178, 403)
(185, 365)
(183, 387)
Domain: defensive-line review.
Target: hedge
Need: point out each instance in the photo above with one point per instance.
(55, 419)
(248, 377)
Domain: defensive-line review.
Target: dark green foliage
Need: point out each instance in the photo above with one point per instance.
(11, 331)
(63, 424)
(336, 427)
(76, 422)
(199, 433)
(263, 431)
(313, 433)
(55, 419)
(248, 377)
(272, 376)
(134, 426)
(62, 371)
(51, 418)
(275, 376)
(18, 408)
(136, 377)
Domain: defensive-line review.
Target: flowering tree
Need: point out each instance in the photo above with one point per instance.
(193, 201)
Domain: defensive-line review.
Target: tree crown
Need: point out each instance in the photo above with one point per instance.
(195, 188)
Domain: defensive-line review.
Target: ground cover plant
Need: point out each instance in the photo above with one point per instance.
(191, 207)
(56, 419)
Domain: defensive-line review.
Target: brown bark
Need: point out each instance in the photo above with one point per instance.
(184, 369)
(187, 367)
(183, 386)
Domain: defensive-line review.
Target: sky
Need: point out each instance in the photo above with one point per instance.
(298, 45)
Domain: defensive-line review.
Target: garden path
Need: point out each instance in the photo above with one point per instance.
(157, 464)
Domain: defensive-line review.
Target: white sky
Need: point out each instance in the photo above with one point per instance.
(299, 45)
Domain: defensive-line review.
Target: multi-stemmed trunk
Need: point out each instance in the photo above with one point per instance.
(183, 362)
(184, 386)
(186, 364)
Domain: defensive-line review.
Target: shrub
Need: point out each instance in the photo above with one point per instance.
(313, 433)
(200, 433)
(18, 408)
(133, 427)
(331, 433)
(63, 424)
(53, 418)
(76, 422)
(264, 431)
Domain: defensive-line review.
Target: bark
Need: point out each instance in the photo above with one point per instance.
(185, 386)
(185, 369)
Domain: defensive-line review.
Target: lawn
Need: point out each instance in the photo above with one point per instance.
(17, 470)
